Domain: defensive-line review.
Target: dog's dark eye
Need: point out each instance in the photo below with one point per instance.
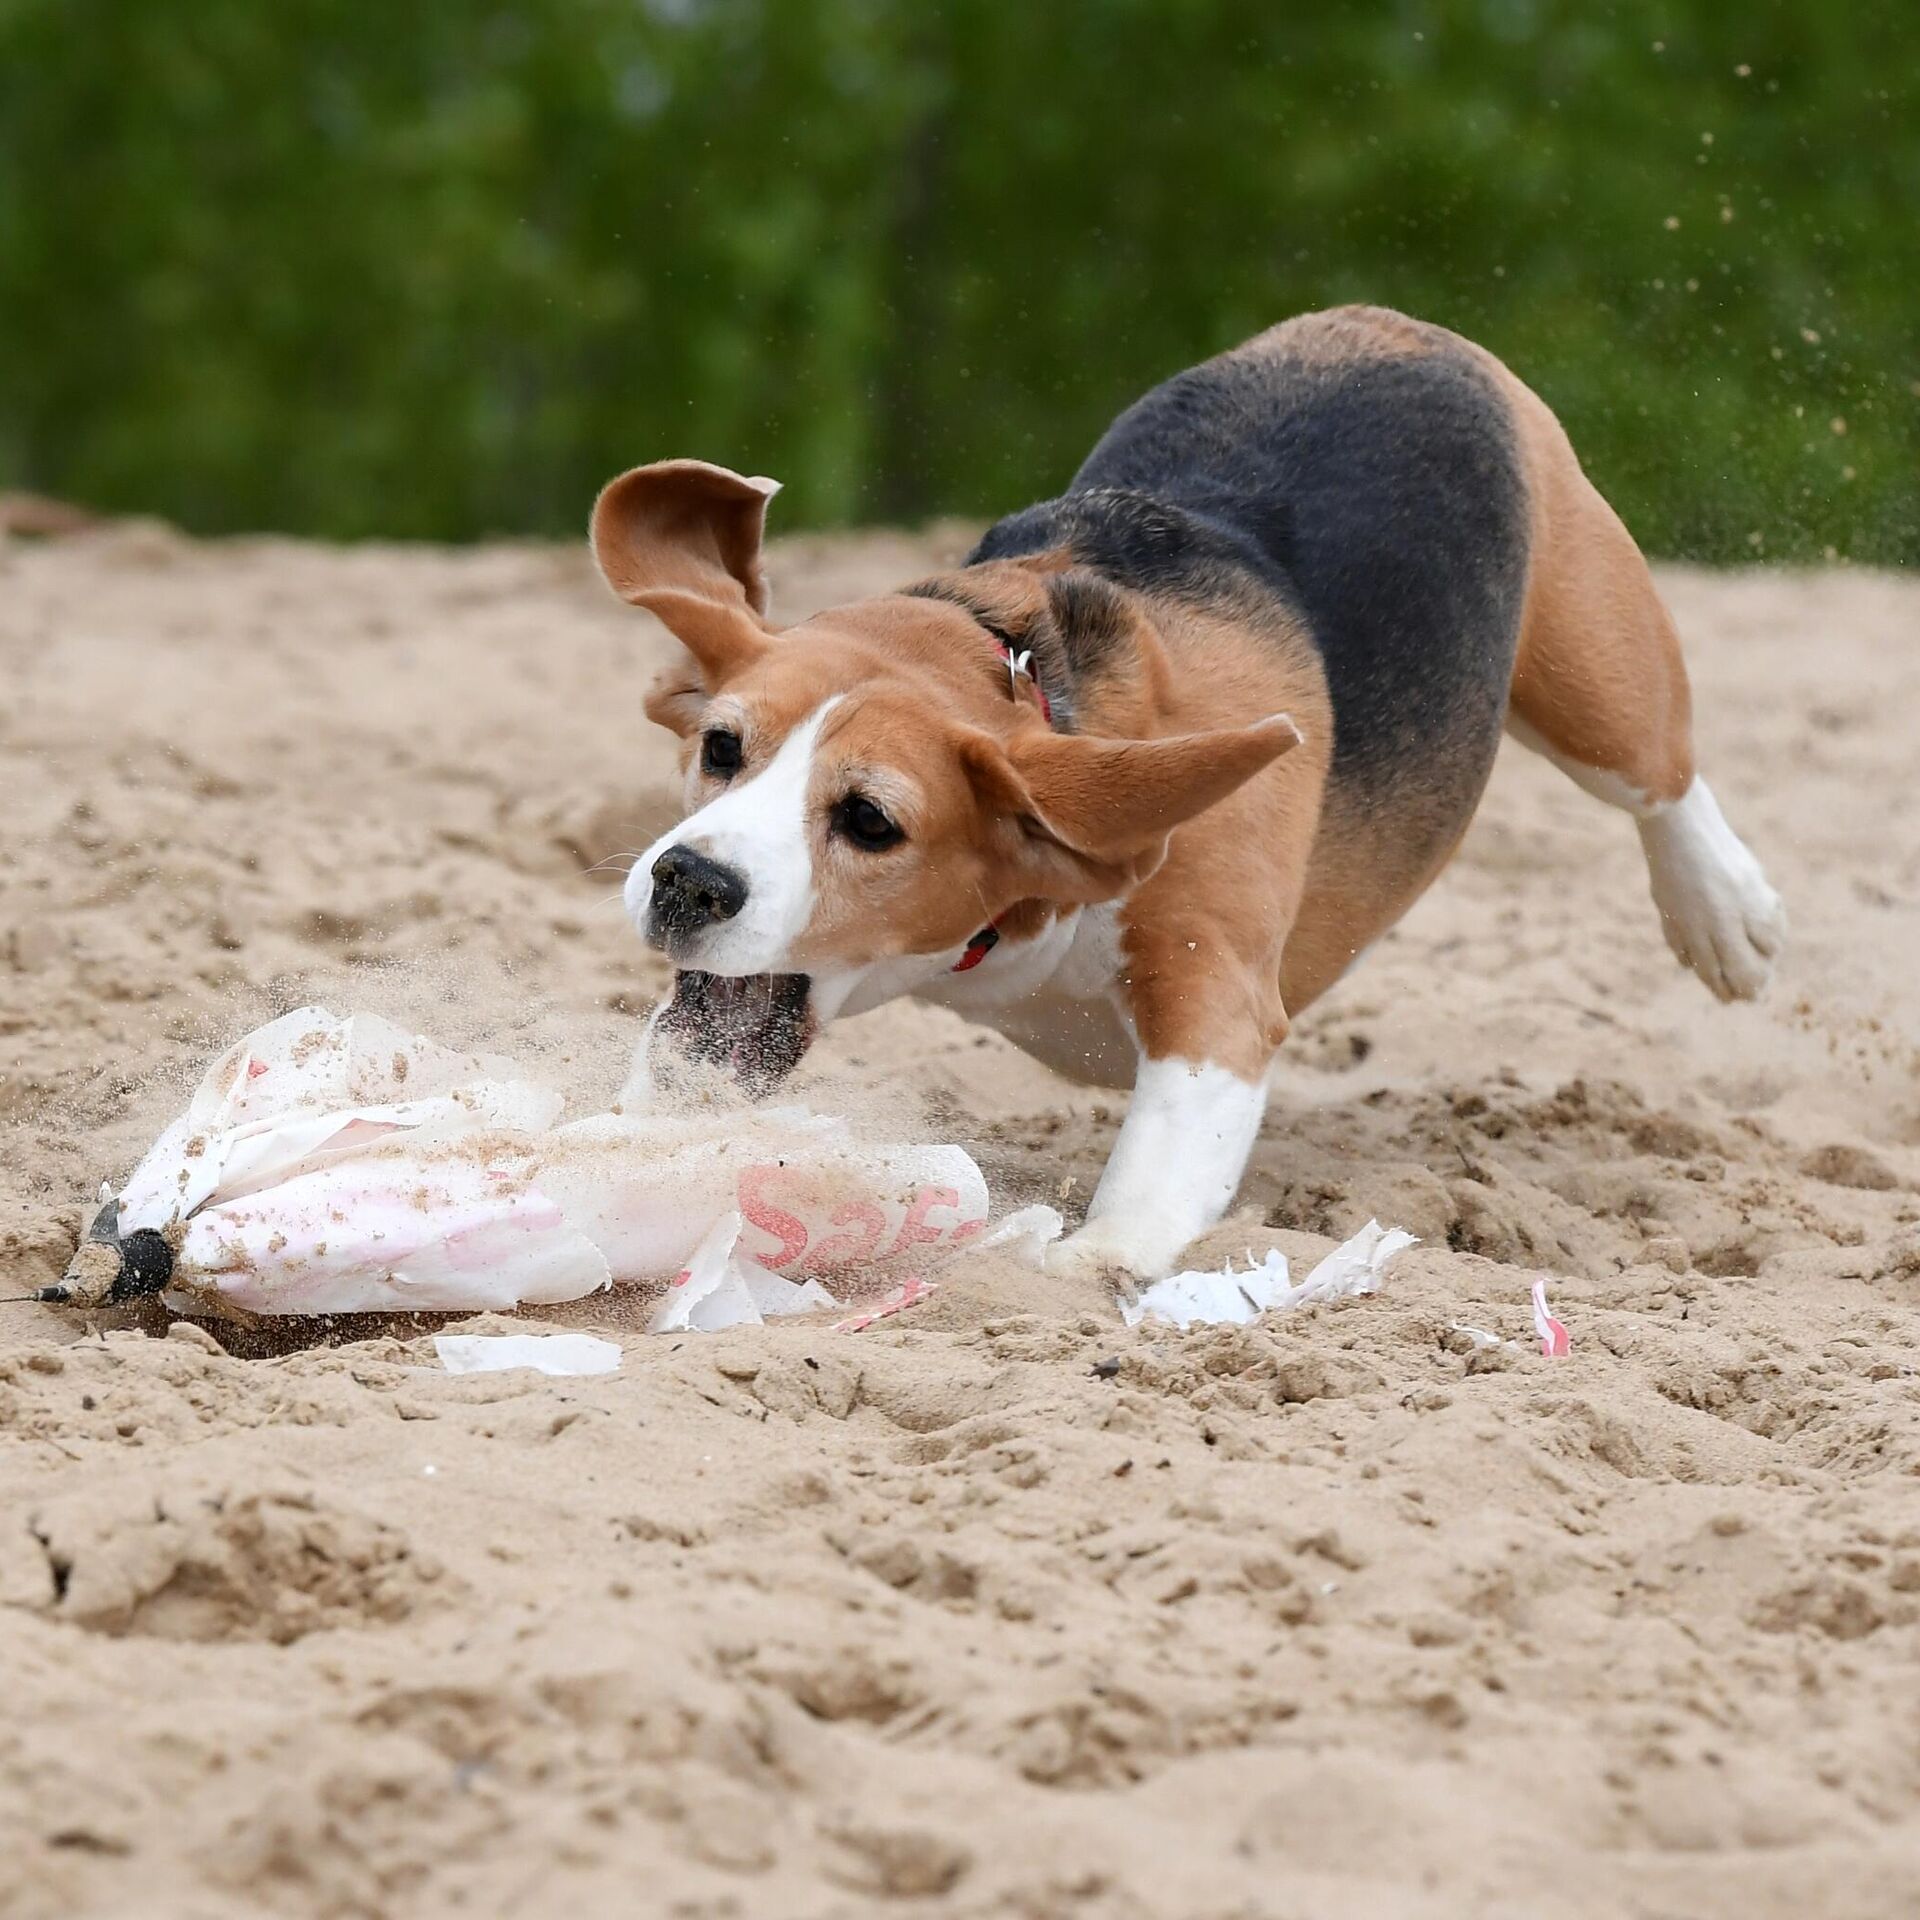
(866, 825)
(720, 753)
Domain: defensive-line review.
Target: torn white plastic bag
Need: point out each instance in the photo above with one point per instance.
(1226, 1298)
(347, 1166)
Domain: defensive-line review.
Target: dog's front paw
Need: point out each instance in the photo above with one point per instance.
(1118, 1245)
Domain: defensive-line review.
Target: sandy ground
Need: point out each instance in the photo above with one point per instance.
(1329, 1616)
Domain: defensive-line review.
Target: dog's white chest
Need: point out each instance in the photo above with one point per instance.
(1053, 997)
(1090, 967)
(1075, 957)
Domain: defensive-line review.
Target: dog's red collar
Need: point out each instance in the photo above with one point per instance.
(982, 944)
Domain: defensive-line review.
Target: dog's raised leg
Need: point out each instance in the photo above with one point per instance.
(1600, 688)
(1720, 915)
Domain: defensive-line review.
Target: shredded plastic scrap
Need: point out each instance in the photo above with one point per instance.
(1225, 1297)
(1555, 1342)
(722, 1287)
(909, 1293)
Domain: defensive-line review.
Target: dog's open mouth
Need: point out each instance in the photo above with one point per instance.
(755, 1028)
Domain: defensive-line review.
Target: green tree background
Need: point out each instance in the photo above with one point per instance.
(436, 270)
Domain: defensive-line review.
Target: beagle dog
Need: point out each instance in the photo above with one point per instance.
(1139, 780)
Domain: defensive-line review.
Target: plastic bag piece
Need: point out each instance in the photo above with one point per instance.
(1025, 1234)
(342, 1166)
(1555, 1342)
(563, 1354)
(1355, 1266)
(1482, 1340)
(1227, 1298)
(909, 1293)
(1222, 1298)
(721, 1287)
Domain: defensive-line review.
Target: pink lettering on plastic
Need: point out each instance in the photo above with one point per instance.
(786, 1230)
(915, 1230)
(866, 1221)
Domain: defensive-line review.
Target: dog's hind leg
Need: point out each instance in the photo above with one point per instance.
(1600, 688)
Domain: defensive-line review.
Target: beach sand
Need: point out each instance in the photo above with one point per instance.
(997, 1608)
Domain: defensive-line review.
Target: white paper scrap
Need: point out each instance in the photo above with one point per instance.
(556, 1353)
(1227, 1298)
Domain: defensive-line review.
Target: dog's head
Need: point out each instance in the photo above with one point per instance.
(868, 790)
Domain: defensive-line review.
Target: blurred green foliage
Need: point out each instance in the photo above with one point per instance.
(352, 268)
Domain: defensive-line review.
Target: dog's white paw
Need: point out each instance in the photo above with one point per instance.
(1719, 914)
(1117, 1244)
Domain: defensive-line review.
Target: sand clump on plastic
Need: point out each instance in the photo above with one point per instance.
(998, 1607)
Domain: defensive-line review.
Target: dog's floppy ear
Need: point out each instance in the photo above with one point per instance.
(681, 538)
(1098, 811)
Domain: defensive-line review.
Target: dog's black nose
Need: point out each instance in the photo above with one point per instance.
(690, 891)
